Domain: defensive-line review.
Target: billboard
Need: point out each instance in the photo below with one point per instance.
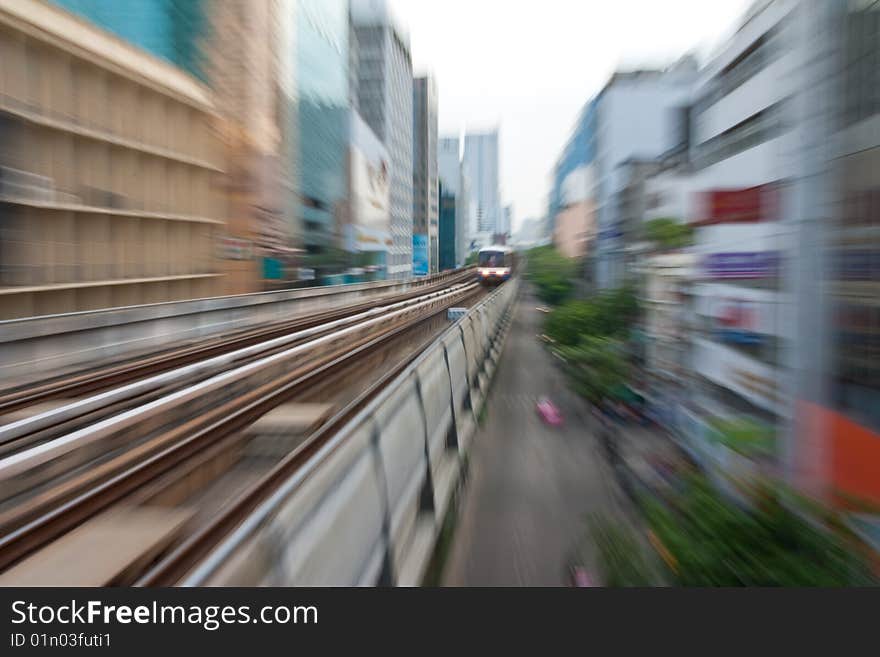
(738, 321)
(364, 238)
(756, 264)
(752, 204)
(369, 180)
(420, 255)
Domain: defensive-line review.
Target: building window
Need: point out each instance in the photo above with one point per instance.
(862, 62)
(753, 60)
(755, 130)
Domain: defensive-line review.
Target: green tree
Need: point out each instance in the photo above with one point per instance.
(551, 273)
(668, 233)
(597, 367)
(609, 314)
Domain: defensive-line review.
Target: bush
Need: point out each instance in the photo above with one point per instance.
(597, 367)
(703, 539)
(668, 233)
(713, 542)
(551, 273)
(622, 561)
(609, 314)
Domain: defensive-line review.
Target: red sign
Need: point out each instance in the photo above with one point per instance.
(741, 205)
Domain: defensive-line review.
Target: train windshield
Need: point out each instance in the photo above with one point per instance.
(493, 259)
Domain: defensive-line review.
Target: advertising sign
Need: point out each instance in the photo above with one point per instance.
(759, 264)
(420, 255)
(363, 238)
(737, 321)
(752, 204)
(370, 182)
(751, 379)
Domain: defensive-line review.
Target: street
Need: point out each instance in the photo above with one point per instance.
(530, 486)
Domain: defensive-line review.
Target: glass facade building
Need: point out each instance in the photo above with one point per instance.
(322, 92)
(385, 101)
(447, 232)
(169, 29)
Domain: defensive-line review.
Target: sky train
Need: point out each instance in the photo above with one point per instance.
(495, 264)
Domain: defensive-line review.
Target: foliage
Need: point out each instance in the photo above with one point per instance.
(714, 542)
(744, 435)
(703, 539)
(669, 233)
(551, 273)
(472, 258)
(607, 314)
(597, 366)
(622, 561)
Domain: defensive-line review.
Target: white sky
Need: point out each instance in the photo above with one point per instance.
(530, 65)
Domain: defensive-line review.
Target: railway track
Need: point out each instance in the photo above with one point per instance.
(235, 351)
(114, 374)
(147, 454)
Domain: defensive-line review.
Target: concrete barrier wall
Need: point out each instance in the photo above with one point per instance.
(34, 348)
(368, 508)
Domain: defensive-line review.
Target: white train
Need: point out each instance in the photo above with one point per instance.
(495, 264)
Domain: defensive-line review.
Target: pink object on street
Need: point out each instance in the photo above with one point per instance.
(581, 578)
(549, 413)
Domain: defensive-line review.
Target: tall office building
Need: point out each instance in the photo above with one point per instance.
(385, 100)
(241, 65)
(110, 170)
(425, 163)
(449, 162)
(322, 105)
(455, 183)
(481, 162)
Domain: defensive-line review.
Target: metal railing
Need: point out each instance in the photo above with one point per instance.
(366, 509)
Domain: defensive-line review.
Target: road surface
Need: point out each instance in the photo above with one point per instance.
(530, 487)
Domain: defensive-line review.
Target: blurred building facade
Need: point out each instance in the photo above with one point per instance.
(481, 164)
(322, 106)
(385, 100)
(574, 221)
(242, 65)
(777, 295)
(833, 442)
(425, 162)
(448, 219)
(639, 115)
(741, 328)
(578, 153)
(169, 29)
(366, 218)
(110, 172)
(455, 183)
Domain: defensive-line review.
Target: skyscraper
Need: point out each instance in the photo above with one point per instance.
(454, 183)
(425, 177)
(481, 162)
(322, 93)
(449, 162)
(385, 100)
(240, 60)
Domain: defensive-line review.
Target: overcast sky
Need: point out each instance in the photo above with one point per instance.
(530, 65)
